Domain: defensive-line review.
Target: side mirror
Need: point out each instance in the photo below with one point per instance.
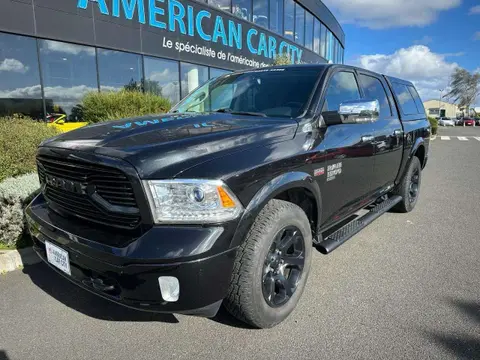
(359, 111)
(60, 122)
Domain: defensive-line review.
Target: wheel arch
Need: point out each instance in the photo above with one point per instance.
(279, 188)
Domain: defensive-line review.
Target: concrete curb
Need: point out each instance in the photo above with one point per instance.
(11, 260)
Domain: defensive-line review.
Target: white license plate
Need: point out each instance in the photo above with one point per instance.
(58, 257)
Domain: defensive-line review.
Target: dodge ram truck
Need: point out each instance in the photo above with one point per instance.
(224, 199)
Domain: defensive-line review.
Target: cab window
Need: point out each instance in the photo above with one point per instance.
(374, 90)
(342, 87)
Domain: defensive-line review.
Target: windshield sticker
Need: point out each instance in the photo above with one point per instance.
(334, 170)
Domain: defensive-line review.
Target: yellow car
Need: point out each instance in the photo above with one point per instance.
(62, 125)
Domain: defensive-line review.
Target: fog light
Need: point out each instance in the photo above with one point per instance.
(169, 287)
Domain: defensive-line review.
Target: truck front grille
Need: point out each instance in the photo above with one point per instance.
(92, 192)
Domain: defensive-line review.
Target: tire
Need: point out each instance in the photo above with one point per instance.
(404, 188)
(251, 277)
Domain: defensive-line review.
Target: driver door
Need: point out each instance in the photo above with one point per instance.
(349, 153)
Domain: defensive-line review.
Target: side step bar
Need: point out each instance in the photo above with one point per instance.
(346, 232)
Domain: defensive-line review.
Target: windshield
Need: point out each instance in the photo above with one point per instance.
(280, 92)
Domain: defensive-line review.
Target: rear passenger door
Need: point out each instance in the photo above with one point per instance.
(388, 131)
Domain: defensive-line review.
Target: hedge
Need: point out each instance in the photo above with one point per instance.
(19, 139)
(434, 125)
(123, 104)
(15, 194)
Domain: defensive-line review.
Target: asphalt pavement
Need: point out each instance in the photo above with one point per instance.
(406, 287)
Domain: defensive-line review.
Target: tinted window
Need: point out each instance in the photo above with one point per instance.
(69, 72)
(242, 9)
(323, 41)
(308, 30)
(162, 78)
(221, 4)
(260, 12)
(267, 92)
(299, 24)
(373, 89)
(342, 87)
(416, 97)
(192, 77)
(276, 16)
(289, 16)
(119, 70)
(20, 90)
(407, 104)
(214, 73)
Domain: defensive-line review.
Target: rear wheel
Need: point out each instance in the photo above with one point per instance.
(272, 266)
(409, 188)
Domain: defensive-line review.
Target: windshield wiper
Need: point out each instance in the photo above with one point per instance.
(234, 112)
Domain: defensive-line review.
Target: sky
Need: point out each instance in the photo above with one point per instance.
(419, 40)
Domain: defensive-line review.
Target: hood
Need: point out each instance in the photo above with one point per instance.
(163, 146)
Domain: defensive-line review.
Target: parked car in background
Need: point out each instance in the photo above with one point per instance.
(477, 120)
(459, 121)
(468, 121)
(61, 123)
(446, 121)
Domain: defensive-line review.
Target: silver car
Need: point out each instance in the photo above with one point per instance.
(445, 121)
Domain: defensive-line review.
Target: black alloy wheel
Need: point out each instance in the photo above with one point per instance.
(414, 185)
(283, 266)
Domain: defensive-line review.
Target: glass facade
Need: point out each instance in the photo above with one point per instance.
(40, 77)
(162, 78)
(192, 76)
(68, 72)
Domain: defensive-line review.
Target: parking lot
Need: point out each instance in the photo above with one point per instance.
(407, 287)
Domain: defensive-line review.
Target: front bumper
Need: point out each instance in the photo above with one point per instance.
(199, 257)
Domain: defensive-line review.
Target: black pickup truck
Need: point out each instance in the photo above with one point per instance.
(224, 199)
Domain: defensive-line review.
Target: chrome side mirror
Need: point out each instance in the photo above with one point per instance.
(359, 111)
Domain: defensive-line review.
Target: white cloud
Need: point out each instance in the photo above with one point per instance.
(424, 40)
(379, 14)
(72, 49)
(13, 65)
(429, 71)
(475, 10)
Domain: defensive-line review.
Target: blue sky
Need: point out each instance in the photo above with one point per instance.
(421, 40)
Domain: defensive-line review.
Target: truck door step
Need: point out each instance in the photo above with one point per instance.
(345, 233)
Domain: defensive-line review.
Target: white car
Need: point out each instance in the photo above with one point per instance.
(445, 121)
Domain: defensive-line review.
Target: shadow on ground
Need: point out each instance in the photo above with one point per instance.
(462, 346)
(3, 355)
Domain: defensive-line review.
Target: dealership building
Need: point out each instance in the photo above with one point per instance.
(52, 52)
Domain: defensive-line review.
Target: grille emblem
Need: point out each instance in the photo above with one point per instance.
(67, 185)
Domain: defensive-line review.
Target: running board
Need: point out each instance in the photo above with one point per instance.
(346, 232)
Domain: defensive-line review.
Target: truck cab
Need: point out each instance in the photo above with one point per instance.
(223, 200)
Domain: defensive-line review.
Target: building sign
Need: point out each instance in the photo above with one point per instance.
(194, 32)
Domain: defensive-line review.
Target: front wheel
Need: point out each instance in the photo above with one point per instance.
(271, 266)
(409, 188)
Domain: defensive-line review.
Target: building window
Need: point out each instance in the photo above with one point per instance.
(260, 13)
(299, 24)
(276, 16)
(20, 90)
(316, 35)
(334, 56)
(323, 41)
(289, 19)
(162, 78)
(214, 72)
(69, 72)
(119, 70)
(224, 5)
(329, 46)
(242, 9)
(308, 30)
(192, 76)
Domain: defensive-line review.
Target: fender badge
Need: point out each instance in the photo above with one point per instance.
(319, 171)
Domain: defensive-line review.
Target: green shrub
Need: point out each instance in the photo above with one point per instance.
(15, 194)
(434, 125)
(19, 139)
(123, 104)
(282, 59)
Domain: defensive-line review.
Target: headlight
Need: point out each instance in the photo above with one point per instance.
(191, 201)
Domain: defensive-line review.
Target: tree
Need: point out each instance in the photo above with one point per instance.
(282, 59)
(465, 88)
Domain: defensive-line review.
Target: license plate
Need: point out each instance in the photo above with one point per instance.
(58, 257)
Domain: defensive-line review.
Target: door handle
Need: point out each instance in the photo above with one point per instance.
(367, 138)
